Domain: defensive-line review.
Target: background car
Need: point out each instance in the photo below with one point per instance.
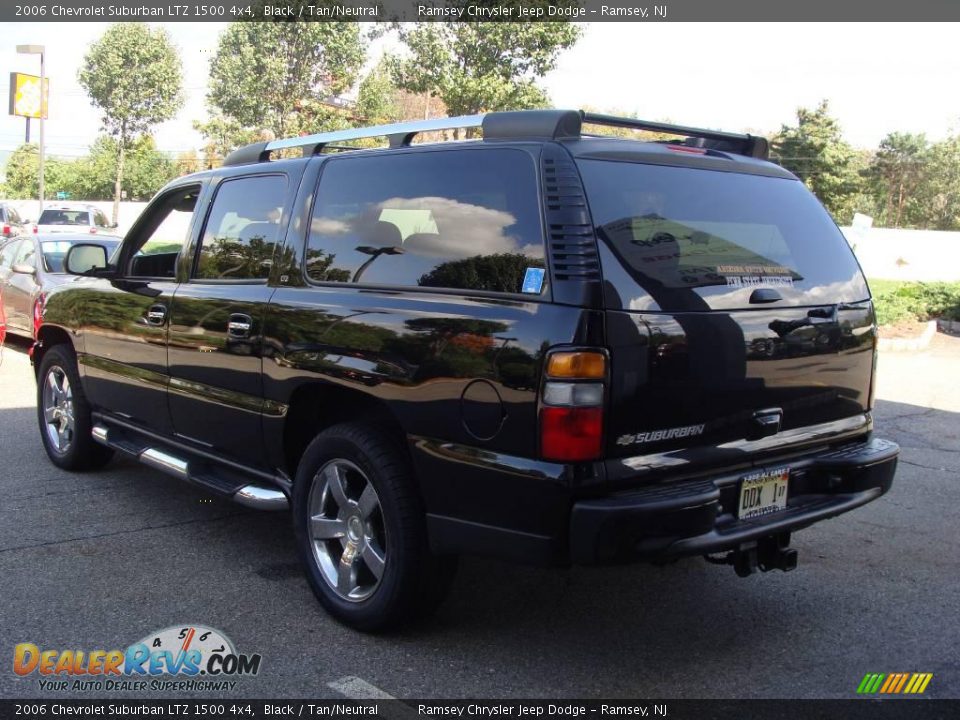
(11, 224)
(29, 267)
(72, 218)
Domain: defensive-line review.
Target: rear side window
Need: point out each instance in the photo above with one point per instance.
(242, 229)
(458, 219)
(692, 239)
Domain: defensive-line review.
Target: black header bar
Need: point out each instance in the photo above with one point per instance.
(481, 10)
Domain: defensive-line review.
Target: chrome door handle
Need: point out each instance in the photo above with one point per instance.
(156, 314)
(239, 325)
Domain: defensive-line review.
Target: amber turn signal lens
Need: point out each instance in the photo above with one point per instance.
(578, 365)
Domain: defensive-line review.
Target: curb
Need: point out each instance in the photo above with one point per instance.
(907, 344)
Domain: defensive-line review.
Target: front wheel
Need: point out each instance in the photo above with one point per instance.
(361, 532)
(64, 414)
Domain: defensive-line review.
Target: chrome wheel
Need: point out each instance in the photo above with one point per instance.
(346, 530)
(58, 409)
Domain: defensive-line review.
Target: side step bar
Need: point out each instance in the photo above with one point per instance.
(250, 495)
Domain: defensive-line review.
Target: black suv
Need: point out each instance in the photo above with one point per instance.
(542, 345)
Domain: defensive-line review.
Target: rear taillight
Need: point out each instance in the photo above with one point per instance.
(38, 307)
(6, 230)
(93, 231)
(35, 230)
(572, 405)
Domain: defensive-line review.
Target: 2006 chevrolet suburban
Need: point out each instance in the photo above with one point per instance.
(541, 345)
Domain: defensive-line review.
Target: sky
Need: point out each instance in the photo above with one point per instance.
(738, 77)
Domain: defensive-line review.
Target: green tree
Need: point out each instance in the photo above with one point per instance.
(23, 174)
(133, 75)
(895, 174)
(279, 76)
(146, 170)
(939, 195)
(377, 97)
(483, 66)
(815, 151)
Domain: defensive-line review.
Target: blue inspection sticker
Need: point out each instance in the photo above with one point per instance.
(533, 280)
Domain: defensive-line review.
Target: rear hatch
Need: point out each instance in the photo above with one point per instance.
(735, 308)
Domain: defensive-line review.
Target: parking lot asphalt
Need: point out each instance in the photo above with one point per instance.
(97, 561)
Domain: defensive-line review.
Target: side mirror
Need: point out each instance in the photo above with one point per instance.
(23, 269)
(83, 258)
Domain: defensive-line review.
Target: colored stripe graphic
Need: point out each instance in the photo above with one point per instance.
(894, 683)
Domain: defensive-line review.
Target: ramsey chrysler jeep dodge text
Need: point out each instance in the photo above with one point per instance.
(541, 345)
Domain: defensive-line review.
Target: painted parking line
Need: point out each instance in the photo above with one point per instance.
(359, 689)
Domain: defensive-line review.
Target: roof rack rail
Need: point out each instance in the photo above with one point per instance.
(743, 144)
(551, 124)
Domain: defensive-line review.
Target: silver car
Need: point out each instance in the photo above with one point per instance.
(72, 218)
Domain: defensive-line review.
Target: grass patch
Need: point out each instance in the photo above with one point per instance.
(897, 301)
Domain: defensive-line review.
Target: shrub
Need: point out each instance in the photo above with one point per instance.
(916, 301)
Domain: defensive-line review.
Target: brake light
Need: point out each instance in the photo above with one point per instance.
(35, 230)
(6, 229)
(93, 231)
(571, 413)
(38, 307)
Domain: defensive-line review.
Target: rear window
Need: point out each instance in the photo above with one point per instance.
(691, 239)
(64, 217)
(463, 220)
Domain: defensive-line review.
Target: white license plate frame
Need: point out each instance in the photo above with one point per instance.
(763, 493)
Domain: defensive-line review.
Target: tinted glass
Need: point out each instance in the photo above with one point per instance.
(692, 239)
(461, 219)
(64, 217)
(242, 229)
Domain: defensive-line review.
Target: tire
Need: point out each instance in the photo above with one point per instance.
(364, 547)
(63, 414)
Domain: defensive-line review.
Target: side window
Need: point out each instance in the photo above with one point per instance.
(459, 219)
(100, 219)
(159, 241)
(26, 254)
(242, 229)
(8, 253)
(13, 216)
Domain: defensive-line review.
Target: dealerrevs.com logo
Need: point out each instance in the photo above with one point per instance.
(178, 658)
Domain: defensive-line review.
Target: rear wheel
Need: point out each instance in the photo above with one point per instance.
(63, 414)
(361, 530)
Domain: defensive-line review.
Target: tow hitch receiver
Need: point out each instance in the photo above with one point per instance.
(770, 553)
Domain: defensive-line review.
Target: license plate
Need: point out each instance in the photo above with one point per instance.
(763, 492)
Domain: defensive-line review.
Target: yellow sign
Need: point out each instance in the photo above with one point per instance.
(25, 95)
